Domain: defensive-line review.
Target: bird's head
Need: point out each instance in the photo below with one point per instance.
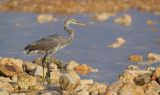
(73, 21)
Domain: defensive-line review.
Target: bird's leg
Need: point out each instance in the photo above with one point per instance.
(43, 62)
(48, 66)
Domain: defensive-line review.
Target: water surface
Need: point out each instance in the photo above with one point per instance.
(90, 45)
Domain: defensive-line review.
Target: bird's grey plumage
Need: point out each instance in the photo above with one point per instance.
(51, 43)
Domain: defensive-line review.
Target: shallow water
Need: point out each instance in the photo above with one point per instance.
(90, 45)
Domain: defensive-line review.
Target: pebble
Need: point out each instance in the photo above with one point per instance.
(71, 65)
(125, 19)
(46, 18)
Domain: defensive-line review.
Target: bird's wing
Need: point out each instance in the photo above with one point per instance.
(44, 44)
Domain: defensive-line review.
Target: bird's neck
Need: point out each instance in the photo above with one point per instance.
(70, 32)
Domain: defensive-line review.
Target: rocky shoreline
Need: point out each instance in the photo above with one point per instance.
(69, 7)
(19, 77)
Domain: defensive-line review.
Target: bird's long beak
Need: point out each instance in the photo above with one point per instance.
(81, 24)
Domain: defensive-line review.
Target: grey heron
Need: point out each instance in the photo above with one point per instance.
(51, 44)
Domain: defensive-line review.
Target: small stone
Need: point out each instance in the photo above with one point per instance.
(115, 45)
(153, 57)
(83, 69)
(135, 58)
(125, 20)
(3, 92)
(150, 22)
(102, 16)
(5, 79)
(46, 18)
(37, 87)
(68, 82)
(7, 87)
(71, 65)
(133, 67)
(25, 80)
(86, 81)
(10, 66)
(94, 70)
(154, 30)
(120, 40)
(17, 25)
(159, 42)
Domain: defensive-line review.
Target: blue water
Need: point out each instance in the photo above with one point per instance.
(90, 45)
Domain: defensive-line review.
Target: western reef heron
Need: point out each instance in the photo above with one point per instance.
(51, 44)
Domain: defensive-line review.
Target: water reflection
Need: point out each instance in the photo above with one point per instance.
(90, 45)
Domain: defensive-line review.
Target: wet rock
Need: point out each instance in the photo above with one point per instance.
(131, 89)
(55, 76)
(135, 58)
(133, 67)
(101, 88)
(102, 16)
(29, 66)
(143, 79)
(37, 87)
(115, 45)
(125, 20)
(86, 81)
(154, 30)
(83, 69)
(10, 66)
(3, 92)
(14, 78)
(150, 22)
(7, 87)
(153, 57)
(25, 80)
(46, 18)
(68, 82)
(71, 65)
(5, 79)
(120, 40)
(130, 75)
